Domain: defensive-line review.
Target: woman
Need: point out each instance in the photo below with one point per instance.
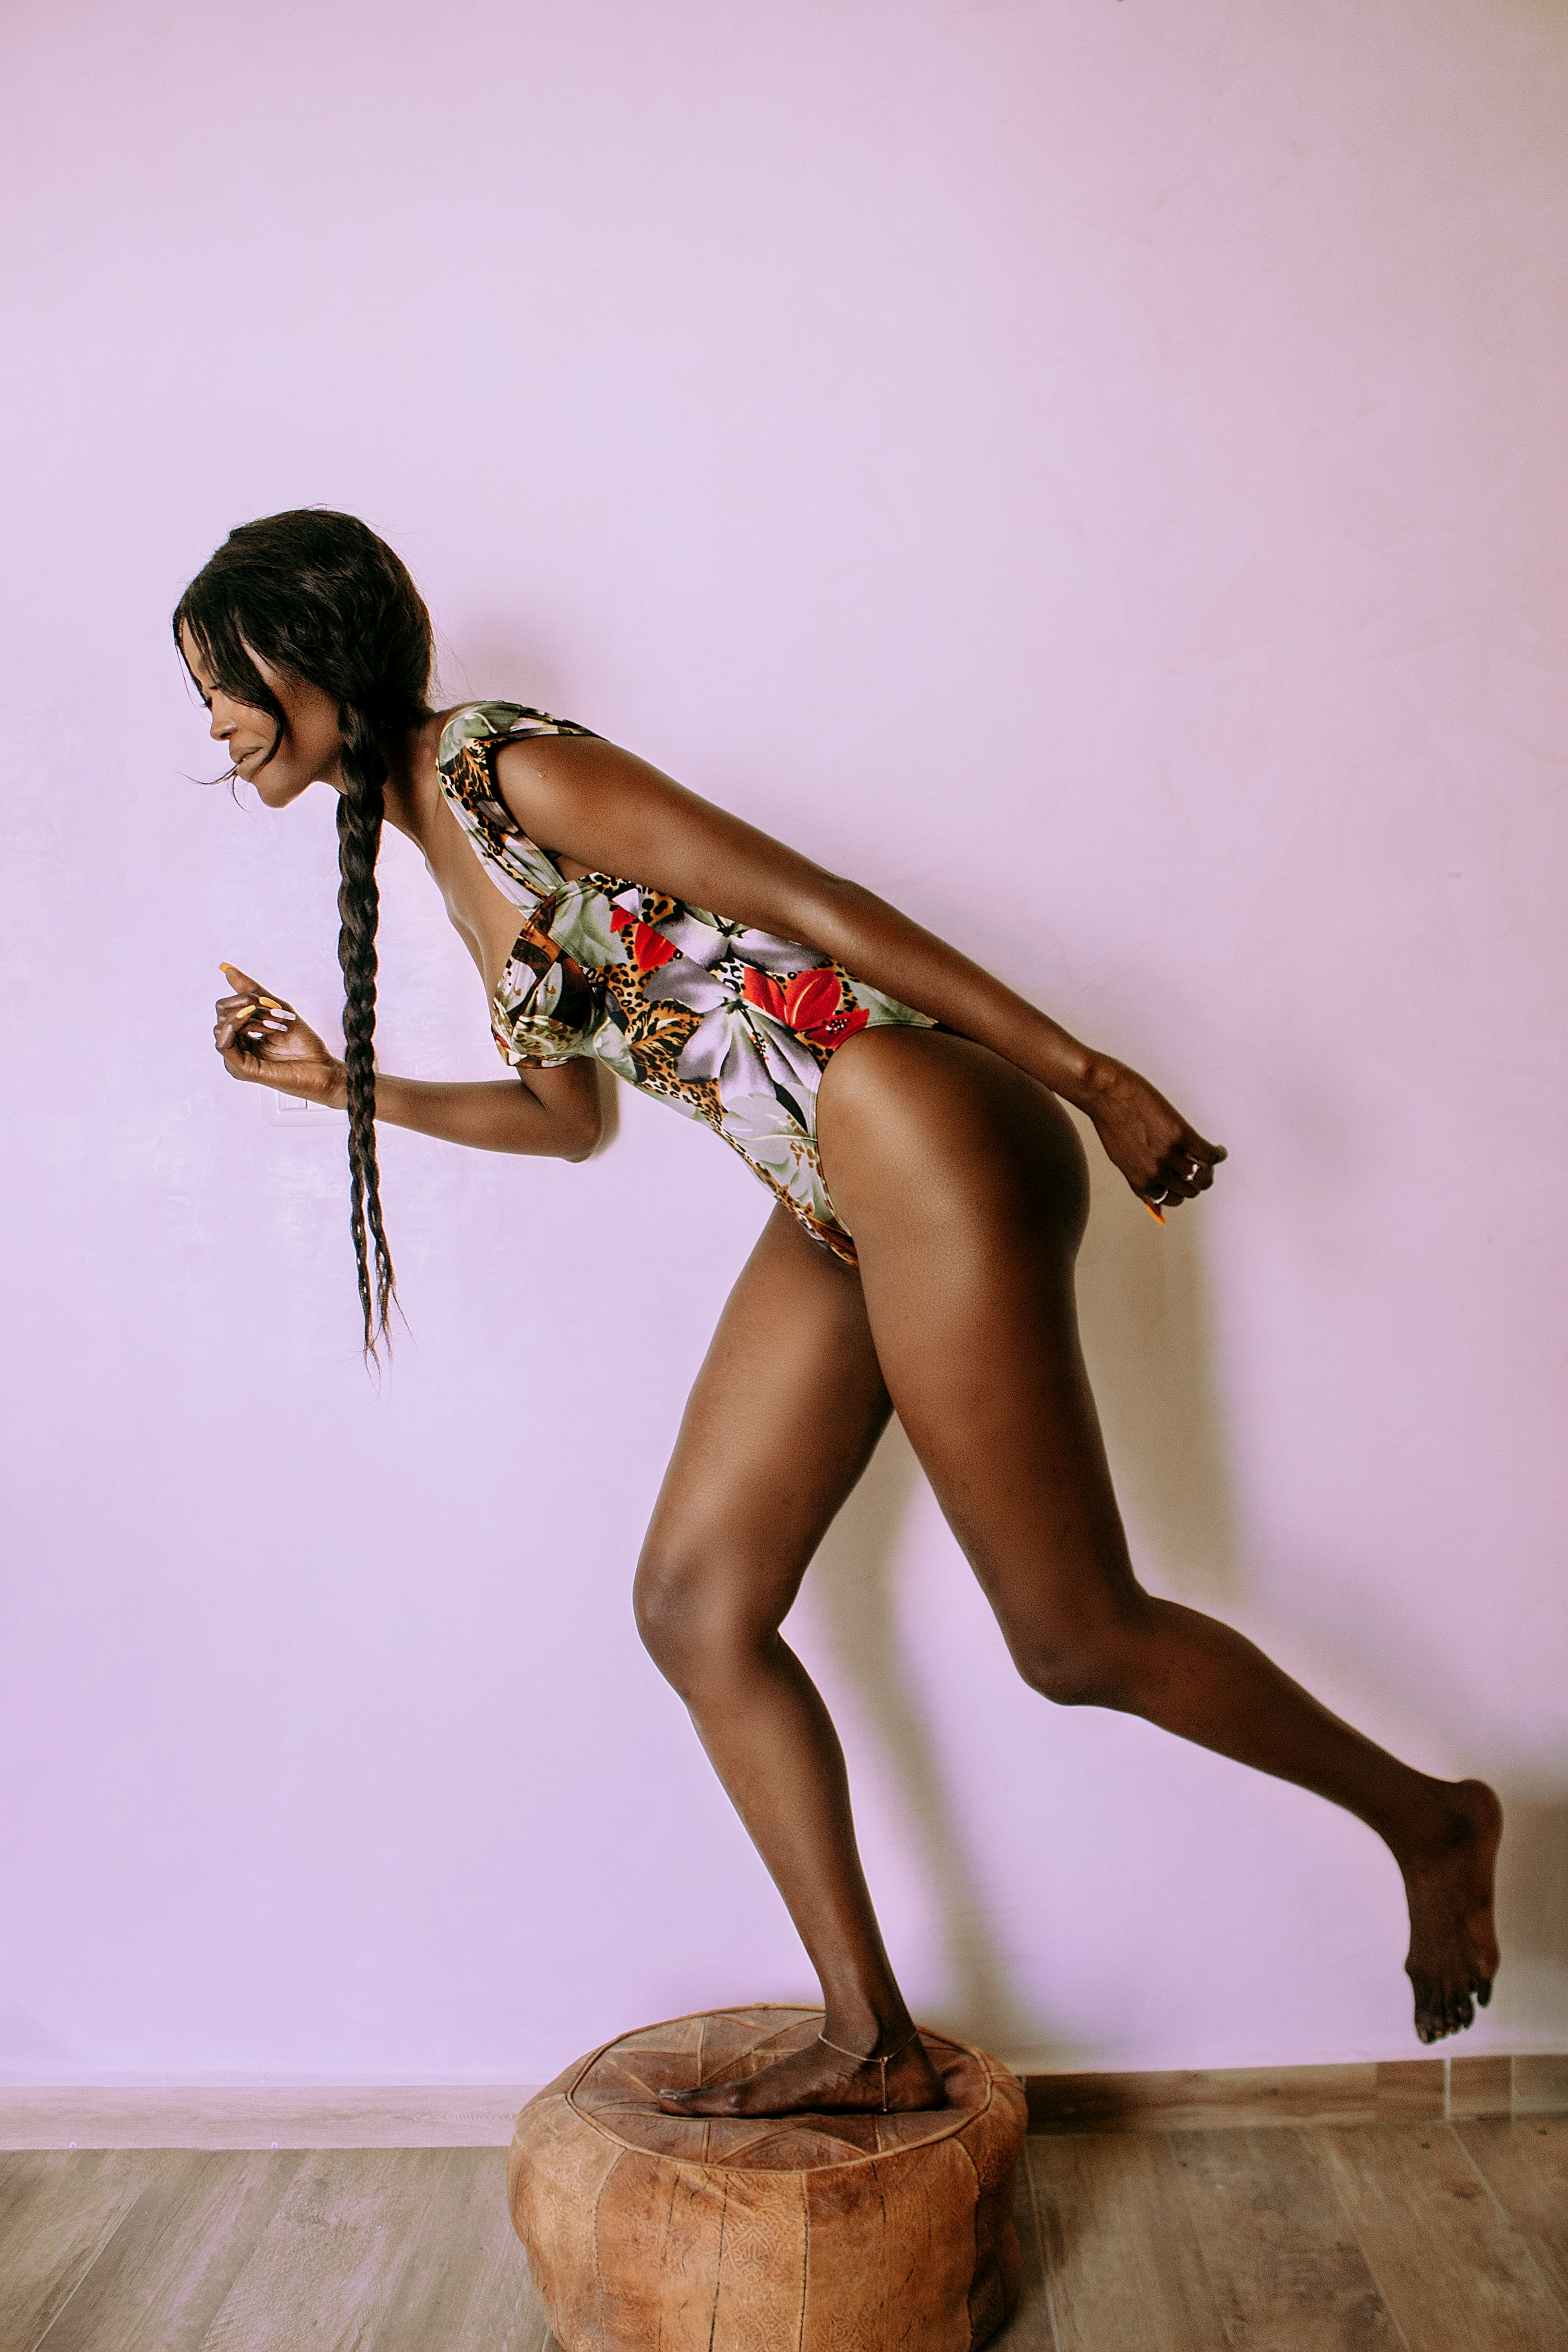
(930, 1196)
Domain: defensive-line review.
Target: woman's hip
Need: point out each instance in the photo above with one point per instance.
(919, 1129)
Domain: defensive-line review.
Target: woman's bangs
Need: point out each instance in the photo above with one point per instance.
(221, 643)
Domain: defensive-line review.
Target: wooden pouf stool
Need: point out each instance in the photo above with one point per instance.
(653, 2232)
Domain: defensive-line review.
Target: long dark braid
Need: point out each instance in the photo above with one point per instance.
(320, 597)
(359, 812)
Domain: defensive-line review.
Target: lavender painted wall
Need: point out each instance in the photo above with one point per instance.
(1096, 473)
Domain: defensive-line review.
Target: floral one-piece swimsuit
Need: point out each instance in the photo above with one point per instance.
(726, 1024)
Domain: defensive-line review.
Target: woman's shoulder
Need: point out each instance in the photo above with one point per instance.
(492, 722)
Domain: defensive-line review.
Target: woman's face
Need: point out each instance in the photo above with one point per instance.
(308, 748)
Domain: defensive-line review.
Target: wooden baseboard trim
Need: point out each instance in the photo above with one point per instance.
(1414, 2090)
(262, 2116)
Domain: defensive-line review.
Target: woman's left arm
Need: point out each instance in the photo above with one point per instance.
(608, 811)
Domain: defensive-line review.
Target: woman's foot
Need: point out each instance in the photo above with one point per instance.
(1453, 1942)
(819, 2081)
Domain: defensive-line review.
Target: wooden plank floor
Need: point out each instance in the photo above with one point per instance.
(1366, 2238)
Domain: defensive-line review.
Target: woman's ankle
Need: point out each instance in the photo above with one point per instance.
(1429, 1828)
(862, 2032)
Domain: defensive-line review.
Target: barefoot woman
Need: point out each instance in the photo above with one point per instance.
(930, 1194)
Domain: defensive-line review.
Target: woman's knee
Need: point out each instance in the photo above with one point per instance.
(1071, 1677)
(693, 1614)
(666, 1604)
(1085, 1665)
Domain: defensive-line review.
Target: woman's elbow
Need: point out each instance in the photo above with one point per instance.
(582, 1142)
(564, 1111)
(582, 1128)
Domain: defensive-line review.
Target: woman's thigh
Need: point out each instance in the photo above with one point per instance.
(965, 1185)
(783, 1417)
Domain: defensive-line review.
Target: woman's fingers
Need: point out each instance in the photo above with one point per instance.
(1185, 1171)
(263, 1008)
(1164, 1159)
(253, 1024)
(1181, 1184)
(253, 1018)
(250, 1007)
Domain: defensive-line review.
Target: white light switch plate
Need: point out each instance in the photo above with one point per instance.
(294, 1111)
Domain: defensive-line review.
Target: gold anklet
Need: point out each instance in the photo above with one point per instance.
(884, 2062)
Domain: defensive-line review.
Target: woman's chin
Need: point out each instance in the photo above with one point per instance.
(278, 791)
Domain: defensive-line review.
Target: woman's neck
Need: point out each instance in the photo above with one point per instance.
(412, 785)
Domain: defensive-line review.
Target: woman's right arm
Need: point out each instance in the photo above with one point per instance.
(555, 1114)
(551, 1113)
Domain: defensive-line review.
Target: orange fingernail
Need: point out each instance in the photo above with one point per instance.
(1157, 1214)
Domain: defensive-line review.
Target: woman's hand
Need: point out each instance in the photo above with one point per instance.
(1164, 1159)
(264, 1041)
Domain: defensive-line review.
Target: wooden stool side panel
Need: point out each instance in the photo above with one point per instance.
(994, 2141)
(890, 2256)
(995, 2135)
(555, 2177)
(693, 2259)
(762, 2288)
(999, 2273)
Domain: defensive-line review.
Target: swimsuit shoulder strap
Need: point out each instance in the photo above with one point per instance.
(470, 742)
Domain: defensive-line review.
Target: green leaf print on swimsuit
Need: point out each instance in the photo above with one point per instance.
(726, 1024)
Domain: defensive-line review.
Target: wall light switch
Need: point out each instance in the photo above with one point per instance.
(296, 1111)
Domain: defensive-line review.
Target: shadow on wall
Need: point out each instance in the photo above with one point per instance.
(853, 1590)
(1532, 1893)
(1143, 1308)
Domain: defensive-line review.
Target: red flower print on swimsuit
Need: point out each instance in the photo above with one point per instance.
(650, 948)
(809, 1003)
